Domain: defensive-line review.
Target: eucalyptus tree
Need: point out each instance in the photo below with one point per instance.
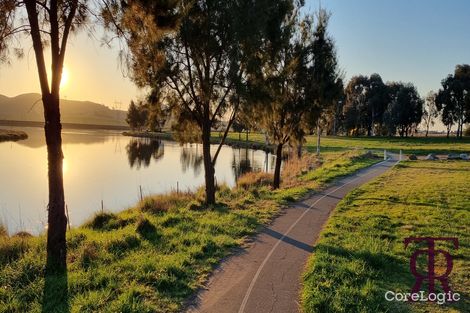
(405, 110)
(453, 99)
(48, 24)
(366, 101)
(430, 112)
(198, 71)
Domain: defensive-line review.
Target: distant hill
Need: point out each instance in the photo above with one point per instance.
(28, 107)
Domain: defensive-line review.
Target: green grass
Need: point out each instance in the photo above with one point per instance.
(412, 145)
(12, 135)
(360, 254)
(152, 257)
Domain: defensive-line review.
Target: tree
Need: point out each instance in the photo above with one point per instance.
(48, 23)
(326, 85)
(198, 70)
(405, 110)
(137, 115)
(453, 100)
(366, 102)
(430, 111)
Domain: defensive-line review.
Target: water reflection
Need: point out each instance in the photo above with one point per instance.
(191, 157)
(141, 151)
(101, 166)
(244, 161)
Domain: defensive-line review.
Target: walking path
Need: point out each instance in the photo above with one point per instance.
(266, 277)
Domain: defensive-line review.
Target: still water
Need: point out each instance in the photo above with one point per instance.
(106, 167)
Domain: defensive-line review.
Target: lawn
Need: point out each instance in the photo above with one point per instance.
(152, 257)
(412, 145)
(360, 254)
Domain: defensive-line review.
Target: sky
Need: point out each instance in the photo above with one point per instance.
(418, 41)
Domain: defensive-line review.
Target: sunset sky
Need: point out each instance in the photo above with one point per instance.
(402, 40)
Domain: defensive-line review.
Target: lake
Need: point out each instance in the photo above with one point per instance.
(104, 167)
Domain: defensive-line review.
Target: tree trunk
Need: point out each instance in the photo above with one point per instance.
(318, 139)
(57, 220)
(277, 169)
(299, 149)
(208, 165)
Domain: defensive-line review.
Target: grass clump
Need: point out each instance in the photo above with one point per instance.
(105, 221)
(361, 255)
(254, 180)
(12, 248)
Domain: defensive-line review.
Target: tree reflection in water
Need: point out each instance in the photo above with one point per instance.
(244, 161)
(191, 157)
(141, 151)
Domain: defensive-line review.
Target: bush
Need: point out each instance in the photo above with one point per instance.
(163, 203)
(254, 179)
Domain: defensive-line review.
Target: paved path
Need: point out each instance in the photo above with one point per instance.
(266, 277)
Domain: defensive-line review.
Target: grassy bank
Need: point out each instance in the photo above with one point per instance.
(152, 257)
(256, 141)
(331, 144)
(360, 254)
(12, 135)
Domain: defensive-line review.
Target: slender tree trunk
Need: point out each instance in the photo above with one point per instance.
(318, 139)
(277, 168)
(57, 220)
(208, 165)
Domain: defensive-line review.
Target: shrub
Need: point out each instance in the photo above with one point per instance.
(254, 179)
(164, 203)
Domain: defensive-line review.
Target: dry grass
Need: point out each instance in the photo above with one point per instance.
(296, 167)
(254, 179)
(163, 203)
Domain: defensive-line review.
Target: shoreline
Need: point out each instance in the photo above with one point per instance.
(235, 143)
(12, 135)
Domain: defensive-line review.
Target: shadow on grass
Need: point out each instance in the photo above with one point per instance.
(55, 296)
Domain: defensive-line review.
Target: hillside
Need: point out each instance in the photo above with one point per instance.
(28, 107)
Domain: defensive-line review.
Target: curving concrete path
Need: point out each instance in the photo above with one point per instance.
(266, 276)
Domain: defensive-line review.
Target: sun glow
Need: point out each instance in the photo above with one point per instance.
(65, 77)
(65, 166)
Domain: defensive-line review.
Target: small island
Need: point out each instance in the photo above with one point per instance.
(12, 135)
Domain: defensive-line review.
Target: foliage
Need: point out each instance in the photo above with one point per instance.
(365, 103)
(360, 254)
(137, 115)
(430, 111)
(197, 73)
(453, 100)
(405, 110)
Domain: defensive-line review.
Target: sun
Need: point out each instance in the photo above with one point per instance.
(65, 77)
